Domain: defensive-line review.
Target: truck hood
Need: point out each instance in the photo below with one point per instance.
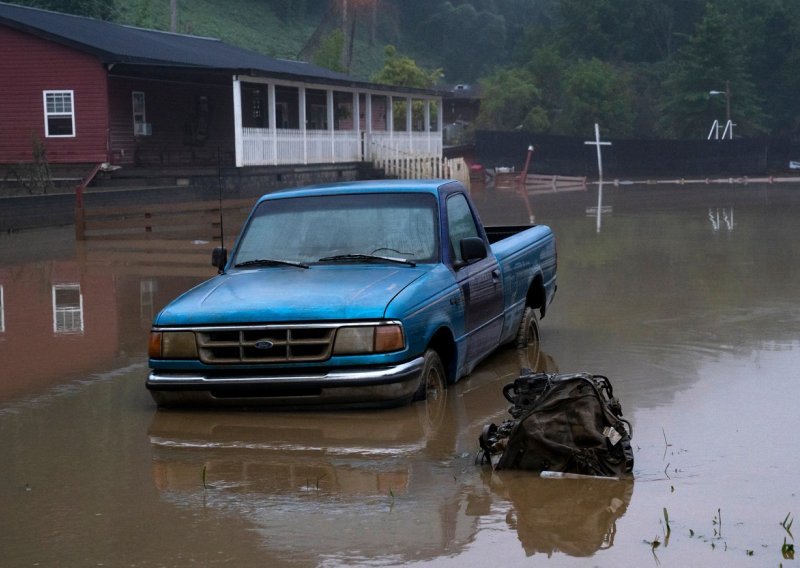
(279, 294)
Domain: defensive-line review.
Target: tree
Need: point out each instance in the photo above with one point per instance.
(712, 59)
(402, 71)
(468, 40)
(329, 53)
(100, 9)
(769, 31)
(548, 67)
(596, 92)
(511, 100)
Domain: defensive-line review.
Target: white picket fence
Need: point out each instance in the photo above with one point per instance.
(425, 168)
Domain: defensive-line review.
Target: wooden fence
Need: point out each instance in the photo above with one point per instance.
(538, 183)
(199, 220)
(169, 239)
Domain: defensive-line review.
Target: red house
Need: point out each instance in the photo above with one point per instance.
(90, 92)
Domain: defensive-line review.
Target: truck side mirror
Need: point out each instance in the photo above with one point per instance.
(472, 249)
(219, 257)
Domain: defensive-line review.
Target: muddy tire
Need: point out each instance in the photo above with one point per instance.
(433, 381)
(527, 342)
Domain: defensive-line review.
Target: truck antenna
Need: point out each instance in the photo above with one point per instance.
(219, 188)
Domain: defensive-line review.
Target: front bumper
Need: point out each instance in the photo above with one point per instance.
(383, 386)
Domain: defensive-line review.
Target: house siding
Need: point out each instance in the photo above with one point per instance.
(179, 135)
(28, 67)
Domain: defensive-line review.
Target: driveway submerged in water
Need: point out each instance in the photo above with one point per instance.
(686, 298)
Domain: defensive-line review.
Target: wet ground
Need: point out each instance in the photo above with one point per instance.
(686, 297)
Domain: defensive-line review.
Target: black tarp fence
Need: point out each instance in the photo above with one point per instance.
(571, 156)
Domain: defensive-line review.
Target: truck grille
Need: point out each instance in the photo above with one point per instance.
(265, 345)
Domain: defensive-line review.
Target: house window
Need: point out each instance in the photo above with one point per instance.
(139, 117)
(255, 111)
(59, 114)
(316, 110)
(67, 308)
(287, 112)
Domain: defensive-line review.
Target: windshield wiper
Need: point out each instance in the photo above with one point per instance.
(270, 262)
(358, 257)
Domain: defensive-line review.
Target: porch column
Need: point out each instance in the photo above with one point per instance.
(237, 121)
(357, 120)
(368, 127)
(409, 123)
(331, 129)
(301, 95)
(390, 118)
(428, 123)
(440, 124)
(273, 117)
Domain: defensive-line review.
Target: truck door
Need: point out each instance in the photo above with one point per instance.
(480, 283)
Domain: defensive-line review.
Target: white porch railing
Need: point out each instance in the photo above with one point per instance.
(260, 148)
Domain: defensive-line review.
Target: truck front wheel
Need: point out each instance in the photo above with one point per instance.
(433, 381)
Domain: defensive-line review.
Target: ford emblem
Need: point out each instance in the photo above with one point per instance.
(264, 344)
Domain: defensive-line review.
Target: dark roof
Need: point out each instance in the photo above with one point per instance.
(117, 44)
(464, 91)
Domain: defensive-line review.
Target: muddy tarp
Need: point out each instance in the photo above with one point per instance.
(566, 423)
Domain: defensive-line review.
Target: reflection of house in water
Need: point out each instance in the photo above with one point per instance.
(62, 319)
(59, 320)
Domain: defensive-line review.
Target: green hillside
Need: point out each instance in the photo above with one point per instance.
(252, 24)
(642, 68)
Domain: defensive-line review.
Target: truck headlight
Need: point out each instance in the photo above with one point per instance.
(172, 345)
(369, 339)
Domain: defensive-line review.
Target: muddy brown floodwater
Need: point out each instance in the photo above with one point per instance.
(686, 297)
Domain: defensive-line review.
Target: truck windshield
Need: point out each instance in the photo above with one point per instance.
(307, 229)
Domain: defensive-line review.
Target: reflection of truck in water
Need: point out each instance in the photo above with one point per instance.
(372, 293)
(395, 487)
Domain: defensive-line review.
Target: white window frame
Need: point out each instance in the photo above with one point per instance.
(2, 311)
(59, 110)
(67, 318)
(139, 115)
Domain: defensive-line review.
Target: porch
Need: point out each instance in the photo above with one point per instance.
(278, 123)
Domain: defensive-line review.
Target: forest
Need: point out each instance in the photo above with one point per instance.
(642, 68)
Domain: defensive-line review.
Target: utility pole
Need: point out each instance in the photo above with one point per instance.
(346, 42)
(173, 16)
(727, 101)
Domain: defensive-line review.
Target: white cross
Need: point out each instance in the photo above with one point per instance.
(596, 142)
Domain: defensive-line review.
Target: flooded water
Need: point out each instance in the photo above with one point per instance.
(685, 297)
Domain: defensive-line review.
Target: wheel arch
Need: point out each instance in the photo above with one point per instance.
(444, 344)
(536, 297)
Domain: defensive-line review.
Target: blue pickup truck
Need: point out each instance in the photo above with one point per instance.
(352, 294)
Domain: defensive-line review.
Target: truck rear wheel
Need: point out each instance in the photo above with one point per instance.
(433, 381)
(527, 341)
